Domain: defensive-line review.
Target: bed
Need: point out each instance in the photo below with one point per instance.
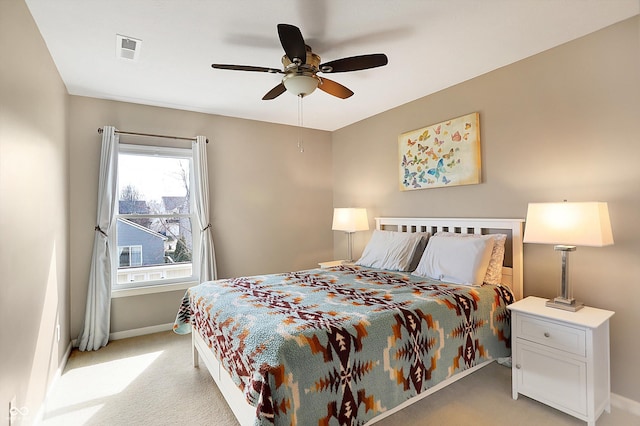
(352, 344)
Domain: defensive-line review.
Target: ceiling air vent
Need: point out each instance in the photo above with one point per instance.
(127, 47)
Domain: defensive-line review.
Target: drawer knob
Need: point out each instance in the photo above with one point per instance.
(546, 334)
(518, 366)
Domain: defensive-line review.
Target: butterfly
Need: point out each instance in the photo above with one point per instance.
(466, 135)
(456, 137)
(449, 155)
(431, 154)
(408, 176)
(415, 183)
(438, 142)
(422, 148)
(453, 163)
(410, 142)
(445, 180)
(407, 173)
(421, 177)
(406, 162)
(467, 126)
(437, 170)
(437, 130)
(424, 136)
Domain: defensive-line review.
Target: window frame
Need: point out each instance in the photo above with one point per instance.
(165, 284)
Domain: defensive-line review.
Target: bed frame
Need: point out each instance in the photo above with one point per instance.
(511, 273)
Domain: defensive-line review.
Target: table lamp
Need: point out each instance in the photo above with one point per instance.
(568, 225)
(350, 220)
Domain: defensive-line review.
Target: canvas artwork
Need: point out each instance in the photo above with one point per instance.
(442, 154)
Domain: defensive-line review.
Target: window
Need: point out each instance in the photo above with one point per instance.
(154, 242)
(130, 256)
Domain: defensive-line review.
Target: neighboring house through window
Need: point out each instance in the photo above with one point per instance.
(155, 243)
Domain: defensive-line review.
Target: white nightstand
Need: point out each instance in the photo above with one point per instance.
(561, 358)
(332, 263)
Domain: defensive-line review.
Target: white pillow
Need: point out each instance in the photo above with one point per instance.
(390, 250)
(494, 270)
(456, 260)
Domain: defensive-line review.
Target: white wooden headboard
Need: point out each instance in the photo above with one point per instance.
(512, 268)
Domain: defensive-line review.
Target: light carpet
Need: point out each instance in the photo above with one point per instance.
(150, 380)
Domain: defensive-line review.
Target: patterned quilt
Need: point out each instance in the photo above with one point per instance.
(339, 346)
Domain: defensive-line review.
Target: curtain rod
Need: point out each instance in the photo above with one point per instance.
(152, 135)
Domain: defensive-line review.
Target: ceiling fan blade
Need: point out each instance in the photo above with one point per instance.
(275, 92)
(292, 43)
(355, 63)
(245, 68)
(333, 88)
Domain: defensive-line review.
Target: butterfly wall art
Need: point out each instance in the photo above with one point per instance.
(442, 154)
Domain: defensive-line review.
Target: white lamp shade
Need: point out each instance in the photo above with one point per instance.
(576, 224)
(300, 84)
(350, 219)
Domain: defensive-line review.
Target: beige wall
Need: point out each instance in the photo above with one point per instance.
(559, 125)
(271, 205)
(34, 286)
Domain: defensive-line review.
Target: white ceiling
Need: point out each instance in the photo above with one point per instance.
(431, 45)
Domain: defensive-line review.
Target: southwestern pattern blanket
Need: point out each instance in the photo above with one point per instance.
(342, 345)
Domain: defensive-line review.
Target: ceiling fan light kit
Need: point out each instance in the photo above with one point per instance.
(300, 84)
(301, 66)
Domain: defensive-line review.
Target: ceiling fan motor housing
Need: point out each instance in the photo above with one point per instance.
(312, 62)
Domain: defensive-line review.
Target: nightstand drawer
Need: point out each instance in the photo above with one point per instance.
(551, 334)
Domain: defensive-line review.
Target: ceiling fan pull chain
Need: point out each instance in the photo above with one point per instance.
(300, 125)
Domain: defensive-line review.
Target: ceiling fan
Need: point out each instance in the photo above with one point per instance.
(301, 67)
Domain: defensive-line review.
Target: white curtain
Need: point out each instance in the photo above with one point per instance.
(97, 321)
(208, 270)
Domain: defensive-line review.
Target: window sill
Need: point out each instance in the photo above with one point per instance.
(151, 289)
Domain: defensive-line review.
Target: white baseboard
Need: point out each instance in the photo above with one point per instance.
(140, 331)
(625, 404)
(134, 333)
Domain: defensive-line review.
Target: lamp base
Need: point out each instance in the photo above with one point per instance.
(565, 304)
